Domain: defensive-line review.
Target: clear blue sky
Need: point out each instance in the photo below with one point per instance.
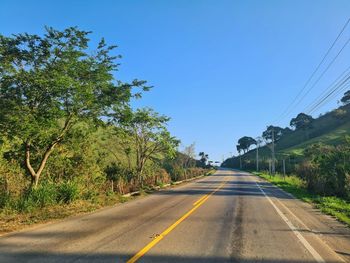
(221, 69)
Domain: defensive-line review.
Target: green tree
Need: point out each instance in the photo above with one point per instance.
(203, 158)
(245, 143)
(151, 138)
(49, 83)
(346, 98)
(302, 121)
(278, 132)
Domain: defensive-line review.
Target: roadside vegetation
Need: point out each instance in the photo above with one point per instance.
(70, 141)
(331, 205)
(312, 154)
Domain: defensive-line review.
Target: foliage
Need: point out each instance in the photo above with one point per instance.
(203, 158)
(189, 153)
(66, 120)
(335, 206)
(245, 142)
(327, 169)
(150, 136)
(346, 98)
(302, 121)
(328, 129)
(67, 192)
(49, 83)
(273, 131)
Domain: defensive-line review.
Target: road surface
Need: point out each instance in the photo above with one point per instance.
(228, 217)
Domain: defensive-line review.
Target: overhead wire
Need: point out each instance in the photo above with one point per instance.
(288, 109)
(340, 87)
(329, 88)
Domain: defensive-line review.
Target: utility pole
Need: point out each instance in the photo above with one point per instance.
(284, 168)
(257, 158)
(240, 161)
(273, 152)
(258, 141)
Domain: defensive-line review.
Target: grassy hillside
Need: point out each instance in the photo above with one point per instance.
(334, 137)
(330, 128)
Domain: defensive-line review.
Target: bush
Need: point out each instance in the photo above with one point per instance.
(90, 194)
(67, 192)
(310, 173)
(161, 177)
(5, 199)
(44, 195)
(327, 169)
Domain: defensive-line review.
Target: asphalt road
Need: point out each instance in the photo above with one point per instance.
(227, 217)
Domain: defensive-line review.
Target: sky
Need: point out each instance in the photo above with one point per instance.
(220, 69)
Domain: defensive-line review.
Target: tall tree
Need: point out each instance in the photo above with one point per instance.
(346, 98)
(151, 137)
(190, 155)
(204, 158)
(49, 83)
(302, 121)
(245, 143)
(278, 133)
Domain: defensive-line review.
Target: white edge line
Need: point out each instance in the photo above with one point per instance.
(316, 236)
(306, 244)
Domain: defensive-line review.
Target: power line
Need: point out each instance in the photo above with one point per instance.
(330, 97)
(322, 74)
(328, 89)
(345, 87)
(340, 86)
(287, 110)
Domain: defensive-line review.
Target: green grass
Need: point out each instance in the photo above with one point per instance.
(334, 137)
(330, 205)
(330, 130)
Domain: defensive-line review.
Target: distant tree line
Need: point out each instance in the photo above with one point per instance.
(325, 168)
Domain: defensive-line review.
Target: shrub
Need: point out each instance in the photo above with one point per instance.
(161, 177)
(5, 199)
(327, 169)
(44, 195)
(67, 192)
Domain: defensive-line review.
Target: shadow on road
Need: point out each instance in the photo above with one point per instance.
(115, 257)
(237, 186)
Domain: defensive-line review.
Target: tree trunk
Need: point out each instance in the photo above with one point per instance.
(35, 175)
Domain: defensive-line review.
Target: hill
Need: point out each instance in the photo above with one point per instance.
(330, 128)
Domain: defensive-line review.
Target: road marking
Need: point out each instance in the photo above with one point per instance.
(312, 232)
(201, 201)
(306, 244)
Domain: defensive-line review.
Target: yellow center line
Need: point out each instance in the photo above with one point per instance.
(201, 201)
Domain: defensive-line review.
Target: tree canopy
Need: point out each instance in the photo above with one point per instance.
(150, 136)
(278, 132)
(302, 121)
(49, 83)
(203, 158)
(346, 98)
(245, 143)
